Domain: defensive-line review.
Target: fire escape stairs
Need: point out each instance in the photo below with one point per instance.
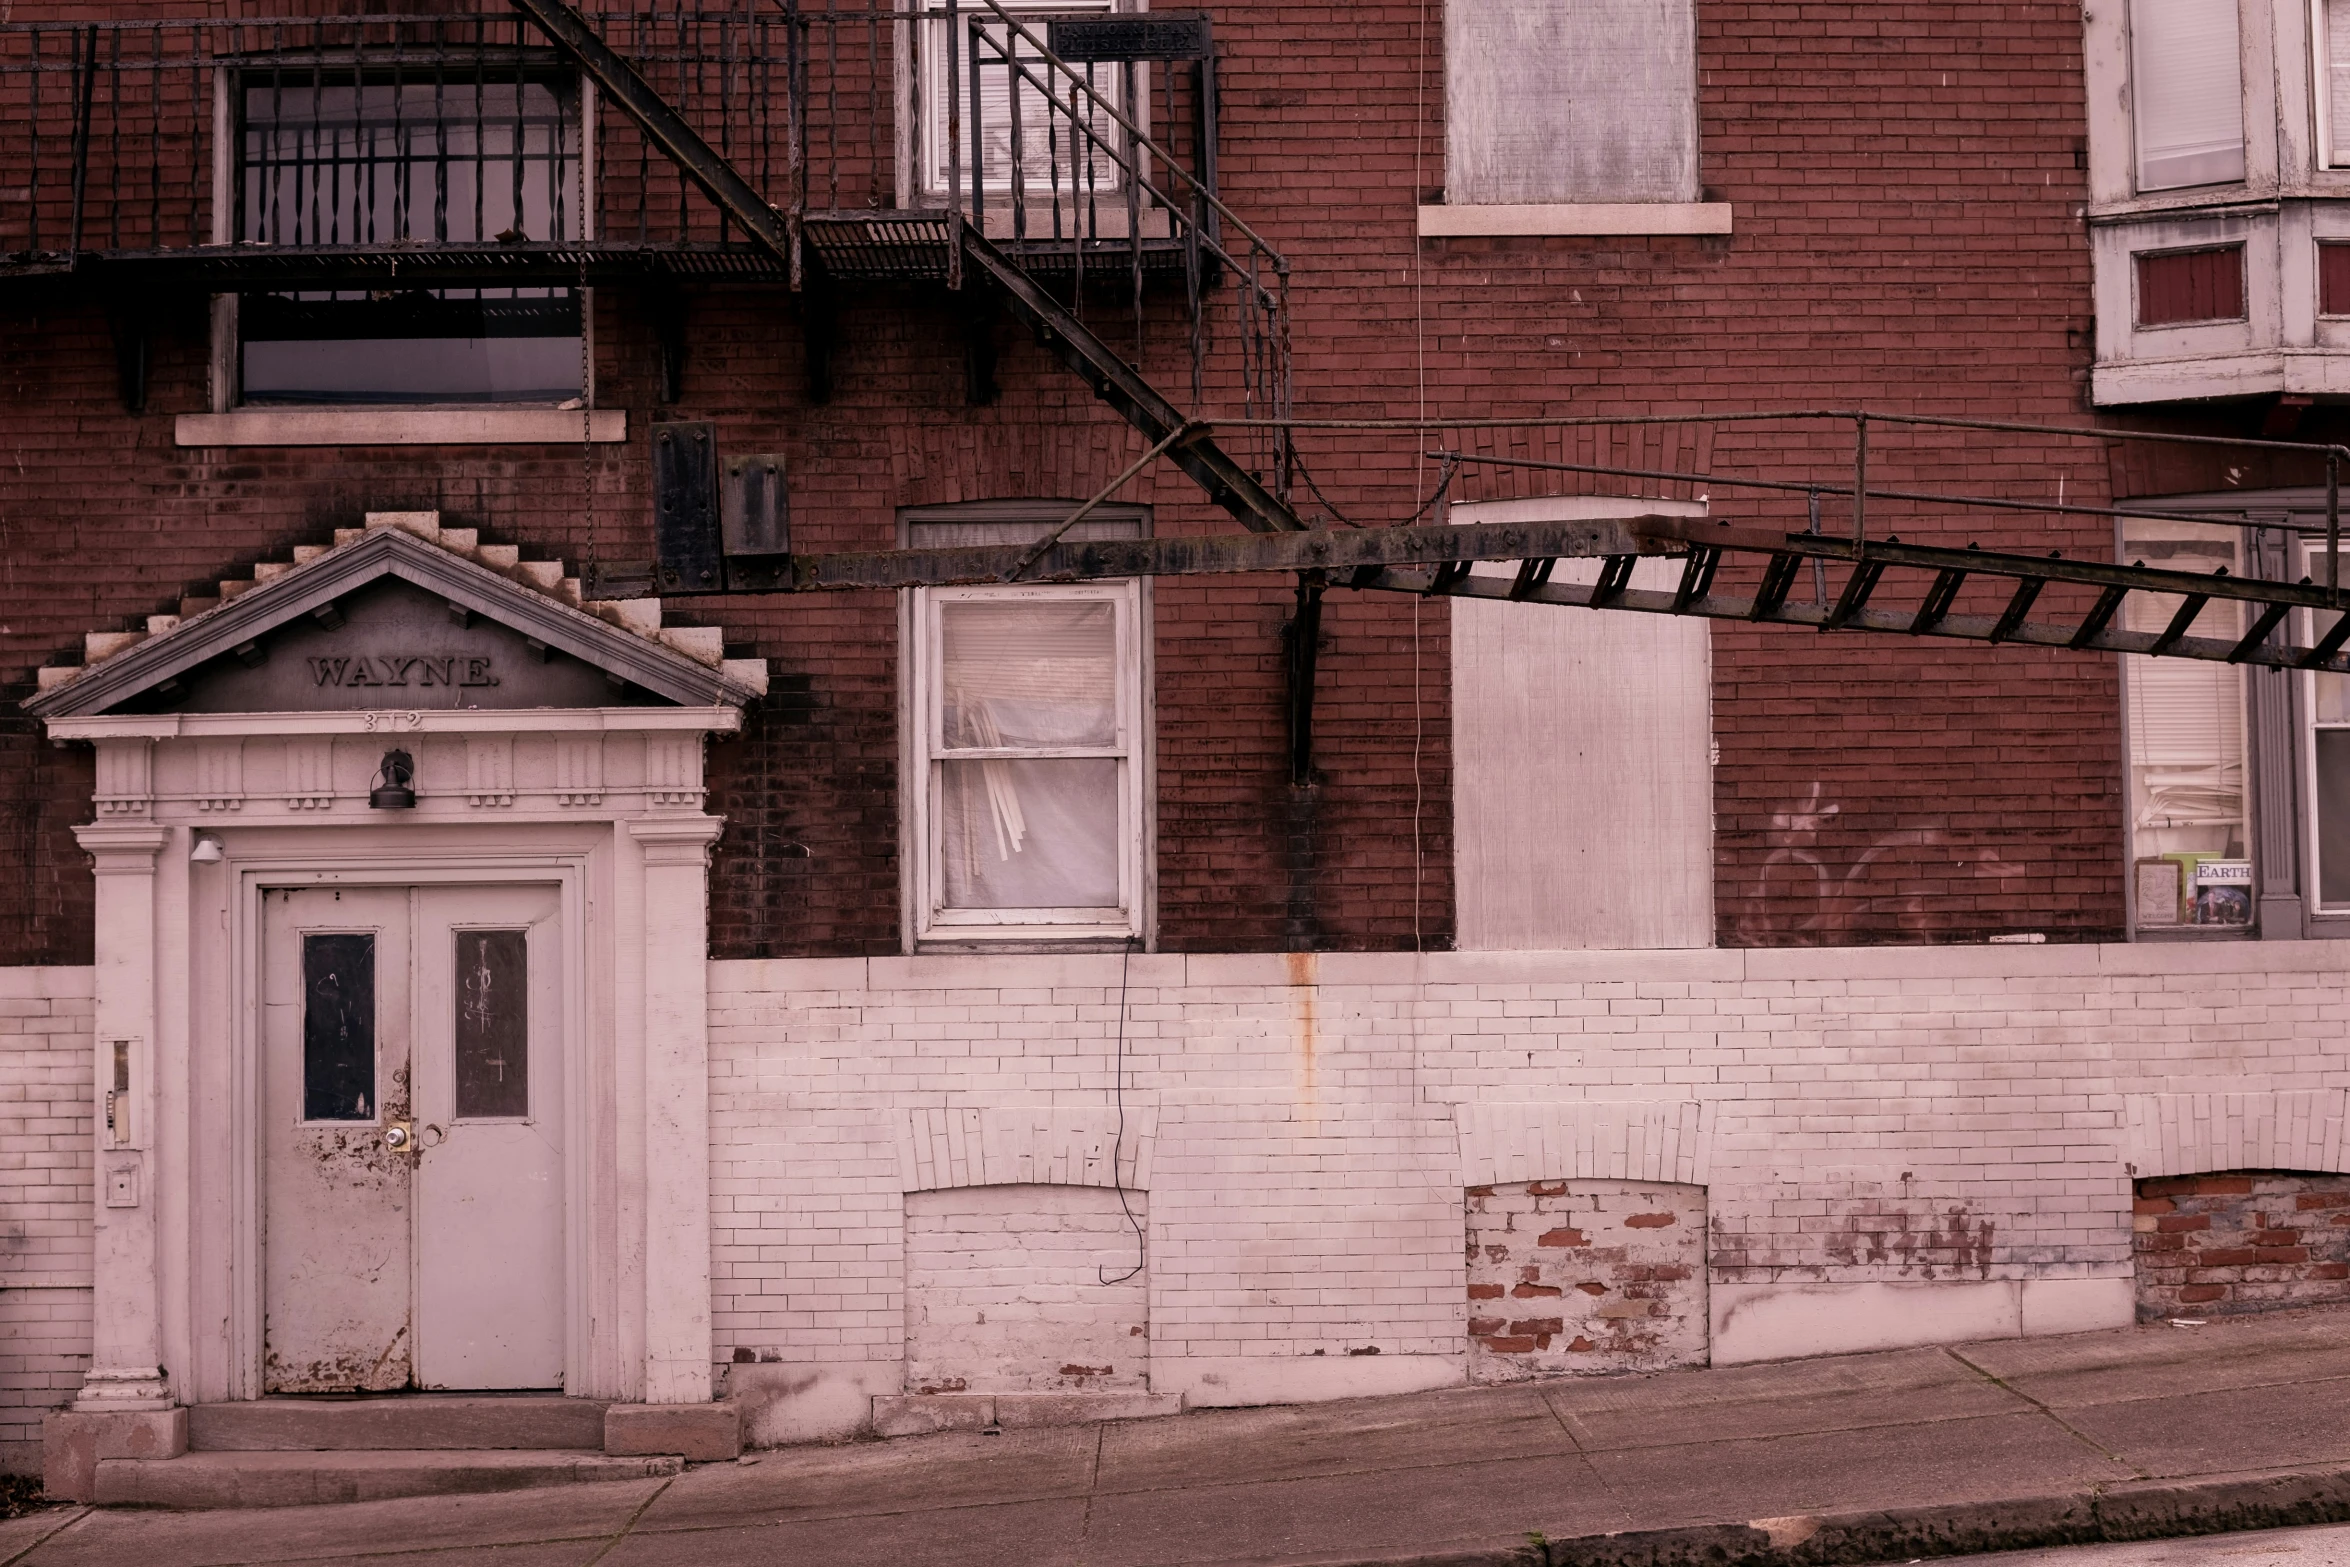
(1226, 482)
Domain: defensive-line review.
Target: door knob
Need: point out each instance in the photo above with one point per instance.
(399, 1136)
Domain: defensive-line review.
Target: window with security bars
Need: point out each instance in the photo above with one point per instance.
(1028, 747)
(473, 152)
(2190, 837)
(1069, 148)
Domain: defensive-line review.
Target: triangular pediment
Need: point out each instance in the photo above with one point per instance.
(407, 616)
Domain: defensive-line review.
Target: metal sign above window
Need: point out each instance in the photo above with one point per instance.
(1084, 40)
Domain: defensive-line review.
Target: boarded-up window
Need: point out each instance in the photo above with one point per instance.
(2333, 280)
(2187, 86)
(1583, 782)
(2178, 286)
(1553, 102)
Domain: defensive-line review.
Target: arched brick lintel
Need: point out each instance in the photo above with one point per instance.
(2188, 1134)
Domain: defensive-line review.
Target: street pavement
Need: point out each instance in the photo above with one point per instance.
(2133, 1431)
(2318, 1547)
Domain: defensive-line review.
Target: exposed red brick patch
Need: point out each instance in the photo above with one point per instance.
(1648, 1221)
(1484, 1292)
(1537, 1292)
(2228, 1243)
(1562, 1237)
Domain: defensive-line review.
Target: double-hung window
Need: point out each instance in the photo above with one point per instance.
(1028, 761)
(328, 156)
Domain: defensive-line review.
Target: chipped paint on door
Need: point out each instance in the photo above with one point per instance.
(338, 1229)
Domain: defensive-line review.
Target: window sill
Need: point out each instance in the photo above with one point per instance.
(1597, 218)
(398, 427)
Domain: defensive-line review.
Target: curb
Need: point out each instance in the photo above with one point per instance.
(2136, 1510)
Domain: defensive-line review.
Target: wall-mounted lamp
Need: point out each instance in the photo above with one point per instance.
(395, 783)
(206, 850)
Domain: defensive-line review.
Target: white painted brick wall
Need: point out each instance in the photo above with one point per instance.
(46, 1162)
(1025, 1289)
(1875, 1115)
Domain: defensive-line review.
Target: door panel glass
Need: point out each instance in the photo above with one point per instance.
(493, 1023)
(338, 1027)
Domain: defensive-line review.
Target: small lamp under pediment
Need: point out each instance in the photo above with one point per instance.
(395, 783)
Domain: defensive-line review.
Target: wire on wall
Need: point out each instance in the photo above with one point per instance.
(1118, 1142)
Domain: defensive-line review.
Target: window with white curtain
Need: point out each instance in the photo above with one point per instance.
(1028, 757)
(2187, 91)
(1068, 143)
(2189, 833)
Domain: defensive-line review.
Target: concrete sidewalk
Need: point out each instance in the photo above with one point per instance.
(2128, 1434)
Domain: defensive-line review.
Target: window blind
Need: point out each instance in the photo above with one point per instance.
(2186, 83)
(1049, 132)
(1552, 102)
(2334, 81)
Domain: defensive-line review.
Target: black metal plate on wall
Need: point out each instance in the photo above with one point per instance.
(1160, 37)
(685, 506)
(756, 522)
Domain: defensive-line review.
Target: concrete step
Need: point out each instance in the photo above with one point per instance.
(411, 1422)
(200, 1480)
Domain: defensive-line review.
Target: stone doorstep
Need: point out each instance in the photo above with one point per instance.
(284, 1451)
(210, 1480)
(919, 1414)
(445, 1422)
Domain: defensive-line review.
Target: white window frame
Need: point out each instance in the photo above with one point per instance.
(229, 421)
(2321, 90)
(2130, 668)
(922, 103)
(931, 922)
(2309, 561)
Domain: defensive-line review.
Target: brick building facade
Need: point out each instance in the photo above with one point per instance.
(1524, 920)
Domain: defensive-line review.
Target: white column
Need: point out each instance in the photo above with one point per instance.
(127, 1353)
(676, 854)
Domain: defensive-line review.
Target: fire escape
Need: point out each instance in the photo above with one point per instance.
(1020, 161)
(1057, 166)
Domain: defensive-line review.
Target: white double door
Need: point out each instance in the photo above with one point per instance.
(412, 1055)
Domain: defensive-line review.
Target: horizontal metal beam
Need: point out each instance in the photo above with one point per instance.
(1339, 551)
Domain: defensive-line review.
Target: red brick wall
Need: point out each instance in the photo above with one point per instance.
(2248, 1240)
(1903, 179)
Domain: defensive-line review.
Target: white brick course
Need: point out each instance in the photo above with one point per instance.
(46, 1194)
(1868, 1116)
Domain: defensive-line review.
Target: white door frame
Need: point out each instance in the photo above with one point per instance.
(606, 803)
(495, 865)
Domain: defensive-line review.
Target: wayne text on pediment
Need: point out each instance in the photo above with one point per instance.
(401, 669)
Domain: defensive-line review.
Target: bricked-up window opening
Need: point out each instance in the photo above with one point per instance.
(2240, 1241)
(1585, 1275)
(373, 161)
(1028, 745)
(2189, 833)
(1570, 103)
(2187, 88)
(1048, 126)
(338, 1027)
(2180, 286)
(493, 1024)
